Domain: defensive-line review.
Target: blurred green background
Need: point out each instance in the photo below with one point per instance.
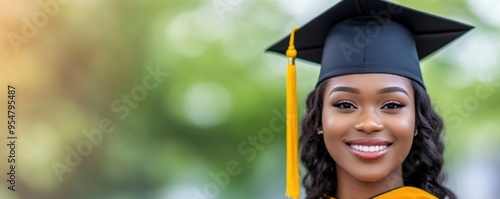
(192, 105)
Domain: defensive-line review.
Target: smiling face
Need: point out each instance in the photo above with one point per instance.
(368, 122)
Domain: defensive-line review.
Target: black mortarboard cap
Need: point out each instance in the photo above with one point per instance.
(371, 36)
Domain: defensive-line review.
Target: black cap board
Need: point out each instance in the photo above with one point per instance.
(371, 36)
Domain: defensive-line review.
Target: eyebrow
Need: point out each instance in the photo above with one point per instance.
(392, 90)
(380, 92)
(344, 89)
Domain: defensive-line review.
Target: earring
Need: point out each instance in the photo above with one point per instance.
(320, 132)
(416, 133)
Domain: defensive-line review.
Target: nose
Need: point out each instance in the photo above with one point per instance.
(369, 122)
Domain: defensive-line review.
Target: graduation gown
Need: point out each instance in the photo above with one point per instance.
(405, 192)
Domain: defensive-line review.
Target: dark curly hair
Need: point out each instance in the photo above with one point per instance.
(422, 168)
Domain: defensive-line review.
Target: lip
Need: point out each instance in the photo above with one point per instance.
(365, 155)
(369, 141)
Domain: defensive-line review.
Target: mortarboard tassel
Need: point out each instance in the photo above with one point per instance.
(292, 163)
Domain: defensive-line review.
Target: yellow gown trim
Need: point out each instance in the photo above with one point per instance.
(405, 192)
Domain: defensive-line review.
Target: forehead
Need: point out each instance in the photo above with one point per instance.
(370, 81)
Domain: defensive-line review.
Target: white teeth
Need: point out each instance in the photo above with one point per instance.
(369, 148)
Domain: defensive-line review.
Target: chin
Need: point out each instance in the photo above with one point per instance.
(370, 177)
(371, 173)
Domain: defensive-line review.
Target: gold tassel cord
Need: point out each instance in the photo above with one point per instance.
(292, 163)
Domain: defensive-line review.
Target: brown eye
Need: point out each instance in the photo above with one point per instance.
(345, 105)
(393, 105)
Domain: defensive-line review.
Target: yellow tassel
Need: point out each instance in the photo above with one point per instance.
(292, 145)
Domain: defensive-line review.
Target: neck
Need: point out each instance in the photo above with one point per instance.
(348, 187)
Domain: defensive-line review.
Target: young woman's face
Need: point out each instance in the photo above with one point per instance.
(368, 122)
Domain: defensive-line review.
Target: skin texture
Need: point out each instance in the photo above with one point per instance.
(368, 113)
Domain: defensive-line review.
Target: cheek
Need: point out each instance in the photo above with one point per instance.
(335, 128)
(402, 129)
(335, 125)
(402, 126)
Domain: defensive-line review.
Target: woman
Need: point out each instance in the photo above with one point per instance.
(370, 130)
(377, 140)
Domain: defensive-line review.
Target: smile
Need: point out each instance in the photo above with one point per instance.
(369, 148)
